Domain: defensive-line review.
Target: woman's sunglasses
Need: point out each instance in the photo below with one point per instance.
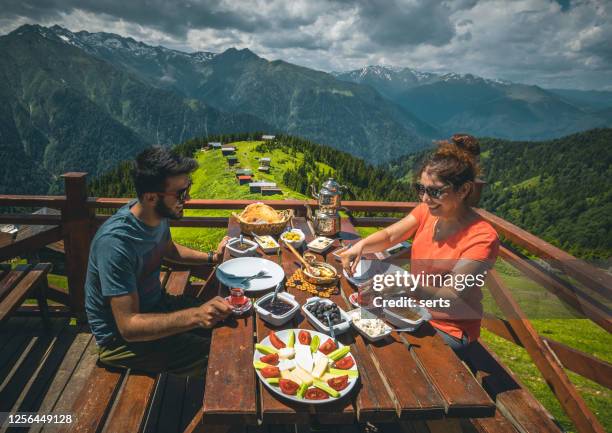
(181, 194)
(431, 191)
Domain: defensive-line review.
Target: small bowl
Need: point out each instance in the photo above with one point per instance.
(321, 281)
(404, 324)
(232, 247)
(340, 328)
(270, 249)
(359, 311)
(273, 319)
(294, 244)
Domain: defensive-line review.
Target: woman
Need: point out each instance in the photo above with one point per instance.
(450, 241)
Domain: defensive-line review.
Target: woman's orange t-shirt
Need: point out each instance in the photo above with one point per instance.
(477, 241)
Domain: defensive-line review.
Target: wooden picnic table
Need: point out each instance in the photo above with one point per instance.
(407, 376)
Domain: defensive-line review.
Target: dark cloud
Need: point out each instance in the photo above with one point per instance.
(395, 23)
(545, 42)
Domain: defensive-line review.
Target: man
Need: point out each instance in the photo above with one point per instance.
(136, 324)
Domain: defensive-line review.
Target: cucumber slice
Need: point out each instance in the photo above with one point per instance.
(291, 340)
(325, 387)
(265, 349)
(273, 380)
(339, 353)
(339, 372)
(314, 344)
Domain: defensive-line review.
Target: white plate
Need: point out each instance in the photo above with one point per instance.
(284, 335)
(247, 266)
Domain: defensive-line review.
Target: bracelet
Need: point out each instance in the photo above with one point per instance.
(210, 258)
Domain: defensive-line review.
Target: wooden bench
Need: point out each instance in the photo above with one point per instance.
(118, 400)
(20, 283)
(517, 409)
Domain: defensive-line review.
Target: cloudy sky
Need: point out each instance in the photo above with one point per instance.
(552, 43)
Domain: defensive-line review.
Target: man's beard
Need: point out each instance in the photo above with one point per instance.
(165, 212)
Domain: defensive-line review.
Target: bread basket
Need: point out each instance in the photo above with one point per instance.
(263, 228)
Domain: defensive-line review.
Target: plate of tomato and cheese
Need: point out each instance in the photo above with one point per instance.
(305, 366)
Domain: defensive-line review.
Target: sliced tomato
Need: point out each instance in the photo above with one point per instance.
(304, 337)
(315, 394)
(338, 383)
(328, 347)
(288, 386)
(271, 359)
(345, 363)
(276, 342)
(270, 372)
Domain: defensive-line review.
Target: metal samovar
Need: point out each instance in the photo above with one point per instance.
(326, 219)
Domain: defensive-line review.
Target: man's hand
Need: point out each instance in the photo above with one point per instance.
(212, 312)
(221, 249)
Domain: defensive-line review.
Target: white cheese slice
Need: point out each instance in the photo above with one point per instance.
(304, 376)
(303, 357)
(286, 353)
(320, 367)
(286, 364)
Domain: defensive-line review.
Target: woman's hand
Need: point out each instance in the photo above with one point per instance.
(351, 257)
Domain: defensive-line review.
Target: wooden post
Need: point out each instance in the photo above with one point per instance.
(76, 230)
(544, 359)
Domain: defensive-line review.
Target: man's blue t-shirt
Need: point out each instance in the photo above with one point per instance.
(125, 256)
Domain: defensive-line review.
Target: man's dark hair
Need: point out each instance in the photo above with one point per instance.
(154, 165)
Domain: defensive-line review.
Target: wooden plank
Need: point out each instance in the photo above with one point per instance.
(231, 340)
(25, 286)
(33, 392)
(361, 206)
(515, 403)
(9, 282)
(414, 396)
(31, 243)
(94, 401)
(177, 282)
(581, 302)
(172, 404)
(30, 219)
(21, 373)
(77, 381)
(544, 359)
(584, 364)
(130, 407)
(496, 424)
(52, 201)
(592, 277)
(64, 373)
(192, 403)
(461, 393)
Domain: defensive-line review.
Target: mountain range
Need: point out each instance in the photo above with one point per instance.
(484, 107)
(84, 101)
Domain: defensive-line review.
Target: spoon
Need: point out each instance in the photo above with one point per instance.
(276, 289)
(241, 239)
(299, 257)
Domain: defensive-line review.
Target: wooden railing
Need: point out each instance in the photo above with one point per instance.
(78, 221)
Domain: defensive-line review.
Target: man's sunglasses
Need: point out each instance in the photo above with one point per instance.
(181, 194)
(431, 191)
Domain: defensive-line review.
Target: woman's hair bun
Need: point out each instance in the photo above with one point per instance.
(466, 142)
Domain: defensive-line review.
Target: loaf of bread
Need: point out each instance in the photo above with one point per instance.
(259, 212)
